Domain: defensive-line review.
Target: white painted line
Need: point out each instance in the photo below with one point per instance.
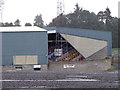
(41, 86)
(21, 80)
(10, 70)
(117, 81)
(83, 80)
(113, 72)
(24, 87)
(10, 80)
(63, 80)
(78, 76)
(13, 70)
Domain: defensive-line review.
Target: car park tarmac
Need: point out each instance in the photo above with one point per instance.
(18, 79)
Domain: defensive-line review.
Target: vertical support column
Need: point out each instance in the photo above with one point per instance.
(0, 60)
(61, 46)
(56, 41)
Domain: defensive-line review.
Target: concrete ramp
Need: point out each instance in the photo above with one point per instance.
(85, 46)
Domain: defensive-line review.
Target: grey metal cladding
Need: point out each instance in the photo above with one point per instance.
(0, 48)
(24, 43)
(94, 34)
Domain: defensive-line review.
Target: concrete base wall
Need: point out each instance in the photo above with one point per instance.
(44, 67)
(82, 66)
(23, 67)
(102, 54)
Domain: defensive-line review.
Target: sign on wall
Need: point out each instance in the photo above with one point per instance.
(69, 66)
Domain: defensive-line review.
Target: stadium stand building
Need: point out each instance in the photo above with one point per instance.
(28, 46)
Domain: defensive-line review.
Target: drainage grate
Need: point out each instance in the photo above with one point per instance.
(36, 68)
(18, 67)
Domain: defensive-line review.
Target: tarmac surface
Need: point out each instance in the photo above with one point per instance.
(32, 80)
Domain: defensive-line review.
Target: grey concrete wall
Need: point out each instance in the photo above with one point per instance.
(0, 60)
(102, 54)
(24, 67)
(82, 66)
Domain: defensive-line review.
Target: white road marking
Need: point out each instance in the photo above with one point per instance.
(10, 70)
(63, 80)
(13, 70)
(82, 80)
(9, 80)
(20, 80)
(78, 76)
(117, 81)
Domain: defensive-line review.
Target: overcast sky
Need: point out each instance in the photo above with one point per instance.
(26, 10)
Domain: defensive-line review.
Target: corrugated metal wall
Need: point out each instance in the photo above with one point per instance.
(24, 43)
(93, 34)
(0, 48)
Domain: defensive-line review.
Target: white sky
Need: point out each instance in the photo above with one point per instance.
(26, 10)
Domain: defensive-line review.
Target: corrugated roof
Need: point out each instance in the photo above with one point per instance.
(21, 29)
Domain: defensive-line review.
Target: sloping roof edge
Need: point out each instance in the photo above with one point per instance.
(21, 29)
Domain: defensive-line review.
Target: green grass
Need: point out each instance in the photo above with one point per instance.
(116, 49)
(111, 69)
(116, 56)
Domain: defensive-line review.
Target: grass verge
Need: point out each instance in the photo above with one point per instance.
(116, 49)
(113, 68)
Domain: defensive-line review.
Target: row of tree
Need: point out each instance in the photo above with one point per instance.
(37, 22)
(81, 18)
(7, 24)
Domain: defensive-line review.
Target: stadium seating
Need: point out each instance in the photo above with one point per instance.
(68, 54)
